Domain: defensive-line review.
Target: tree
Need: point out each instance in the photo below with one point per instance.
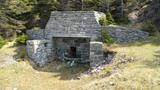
(11, 16)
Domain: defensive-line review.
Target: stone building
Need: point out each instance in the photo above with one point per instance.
(69, 35)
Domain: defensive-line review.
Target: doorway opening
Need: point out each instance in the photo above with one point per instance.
(73, 52)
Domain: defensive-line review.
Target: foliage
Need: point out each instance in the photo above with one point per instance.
(149, 27)
(2, 42)
(123, 20)
(97, 5)
(18, 7)
(20, 15)
(106, 37)
(11, 12)
(103, 21)
(107, 20)
(21, 40)
(41, 12)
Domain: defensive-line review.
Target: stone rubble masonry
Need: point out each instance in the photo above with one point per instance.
(73, 24)
(96, 54)
(38, 51)
(79, 29)
(62, 31)
(36, 34)
(122, 34)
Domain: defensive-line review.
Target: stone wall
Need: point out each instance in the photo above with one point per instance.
(35, 34)
(66, 30)
(62, 47)
(38, 52)
(73, 24)
(122, 34)
(96, 54)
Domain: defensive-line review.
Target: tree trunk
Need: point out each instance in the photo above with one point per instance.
(122, 8)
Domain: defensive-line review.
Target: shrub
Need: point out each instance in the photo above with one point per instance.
(149, 27)
(2, 42)
(108, 19)
(21, 40)
(106, 37)
(123, 20)
(103, 21)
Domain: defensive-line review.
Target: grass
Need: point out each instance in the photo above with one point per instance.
(24, 77)
(143, 74)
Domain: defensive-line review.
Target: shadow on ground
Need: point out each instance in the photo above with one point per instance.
(64, 70)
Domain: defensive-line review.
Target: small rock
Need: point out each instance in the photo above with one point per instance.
(111, 83)
(15, 88)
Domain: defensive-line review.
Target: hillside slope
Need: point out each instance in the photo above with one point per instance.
(143, 74)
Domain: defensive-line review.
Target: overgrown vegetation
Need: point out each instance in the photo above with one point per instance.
(123, 21)
(106, 37)
(21, 40)
(149, 27)
(107, 20)
(2, 42)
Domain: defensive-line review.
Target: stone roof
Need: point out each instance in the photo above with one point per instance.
(73, 24)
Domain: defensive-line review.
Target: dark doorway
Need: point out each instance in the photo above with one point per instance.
(73, 51)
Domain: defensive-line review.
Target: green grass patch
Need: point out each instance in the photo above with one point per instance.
(22, 39)
(2, 42)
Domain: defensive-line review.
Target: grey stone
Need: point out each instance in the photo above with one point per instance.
(37, 51)
(96, 54)
(122, 34)
(69, 35)
(35, 34)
